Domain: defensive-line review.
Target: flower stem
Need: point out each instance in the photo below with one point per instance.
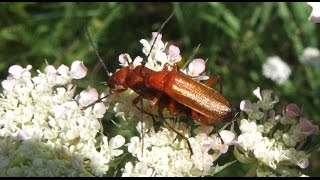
(253, 170)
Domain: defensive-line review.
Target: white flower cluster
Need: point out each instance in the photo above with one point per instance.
(160, 55)
(310, 55)
(44, 131)
(164, 153)
(274, 141)
(276, 70)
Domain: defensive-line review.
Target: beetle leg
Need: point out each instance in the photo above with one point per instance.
(195, 116)
(175, 108)
(175, 67)
(115, 91)
(200, 118)
(181, 135)
(135, 102)
(160, 111)
(166, 67)
(163, 101)
(213, 80)
(156, 99)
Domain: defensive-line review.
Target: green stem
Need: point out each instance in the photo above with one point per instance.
(265, 117)
(253, 170)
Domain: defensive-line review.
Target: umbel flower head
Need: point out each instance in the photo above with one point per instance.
(275, 142)
(44, 131)
(166, 154)
(276, 70)
(311, 56)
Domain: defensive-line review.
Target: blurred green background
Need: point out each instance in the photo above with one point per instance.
(236, 38)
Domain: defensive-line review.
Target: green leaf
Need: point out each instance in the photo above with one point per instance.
(214, 170)
(241, 157)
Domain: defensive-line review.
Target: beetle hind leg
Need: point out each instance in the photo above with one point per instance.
(213, 80)
(178, 133)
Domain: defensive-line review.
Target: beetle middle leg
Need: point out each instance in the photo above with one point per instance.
(135, 102)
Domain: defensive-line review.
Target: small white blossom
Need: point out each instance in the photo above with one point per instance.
(174, 53)
(307, 127)
(141, 169)
(124, 108)
(266, 101)
(78, 70)
(315, 14)
(252, 109)
(310, 55)
(125, 60)
(195, 69)
(276, 69)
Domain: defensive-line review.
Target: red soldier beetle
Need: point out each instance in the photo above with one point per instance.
(173, 90)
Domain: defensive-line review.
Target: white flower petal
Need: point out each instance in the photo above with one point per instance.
(50, 69)
(99, 110)
(15, 70)
(196, 67)
(256, 92)
(227, 136)
(315, 14)
(125, 59)
(245, 104)
(8, 84)
(63, 70)
(78, 70)
(117, 141)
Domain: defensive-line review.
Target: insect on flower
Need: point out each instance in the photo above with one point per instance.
(171, 89)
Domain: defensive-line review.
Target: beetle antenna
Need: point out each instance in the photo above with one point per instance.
(159, 30)
(96, 52)
(191, 57)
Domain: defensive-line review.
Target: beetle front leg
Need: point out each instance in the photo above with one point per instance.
(156, 99)
(114, 91)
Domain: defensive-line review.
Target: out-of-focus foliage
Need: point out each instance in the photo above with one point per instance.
(236, 38)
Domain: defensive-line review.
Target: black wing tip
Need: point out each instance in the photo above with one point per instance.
(230, 115)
